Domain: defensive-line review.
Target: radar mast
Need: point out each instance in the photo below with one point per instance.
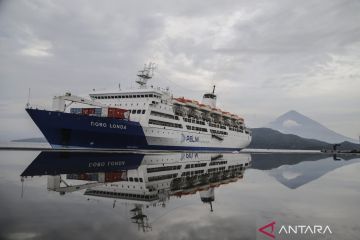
(146, 74)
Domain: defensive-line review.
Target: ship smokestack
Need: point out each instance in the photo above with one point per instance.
(210, 98)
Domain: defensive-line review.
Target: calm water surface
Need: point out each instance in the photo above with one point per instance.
(176, 196)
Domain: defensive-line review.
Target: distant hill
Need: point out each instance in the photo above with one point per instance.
(37, 140)
(266, 138)
(296, 123)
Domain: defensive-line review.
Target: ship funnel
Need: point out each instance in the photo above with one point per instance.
(208, 196)
(210, 98)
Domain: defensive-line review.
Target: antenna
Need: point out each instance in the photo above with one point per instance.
(213, 89)
(146, 74)
(140, 219)
(28, 100)
(22, 187)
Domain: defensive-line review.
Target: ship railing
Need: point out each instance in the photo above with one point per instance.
(248, 131)
(37, 107)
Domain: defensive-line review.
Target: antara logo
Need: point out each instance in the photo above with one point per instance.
(268, 232)
(269, 229)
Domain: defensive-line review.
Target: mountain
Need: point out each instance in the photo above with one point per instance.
(266, 138)
(295, 123)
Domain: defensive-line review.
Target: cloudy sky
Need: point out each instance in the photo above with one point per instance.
(266, 57)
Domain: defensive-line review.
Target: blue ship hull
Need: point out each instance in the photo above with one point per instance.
(55, 163)
(67, 130)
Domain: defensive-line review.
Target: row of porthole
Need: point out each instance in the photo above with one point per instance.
(126, 104)
(128, 96)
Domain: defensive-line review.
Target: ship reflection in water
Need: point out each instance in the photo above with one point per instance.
(141, 180)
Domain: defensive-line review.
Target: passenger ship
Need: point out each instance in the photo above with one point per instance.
(144, 118)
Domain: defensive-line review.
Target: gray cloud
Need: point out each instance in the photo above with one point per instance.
(265, 57)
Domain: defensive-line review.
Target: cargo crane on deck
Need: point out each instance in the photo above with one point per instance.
(59, 102)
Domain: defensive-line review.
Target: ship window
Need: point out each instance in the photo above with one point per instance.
(133, 111)
(130, 96)
(143, 111)
(142, 95)
(136, 179)
(151, 95)
(138, 96)
(138, 111)
(126, 96)
(212, 96)
(160, 114)
(131, 179)
(146, 95)
(162, 123)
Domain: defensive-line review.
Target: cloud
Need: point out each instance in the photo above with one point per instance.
(290, 124)
(262, 55)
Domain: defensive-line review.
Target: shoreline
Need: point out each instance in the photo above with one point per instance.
(253, 151)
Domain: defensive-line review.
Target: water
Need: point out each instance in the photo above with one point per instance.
(290, 189)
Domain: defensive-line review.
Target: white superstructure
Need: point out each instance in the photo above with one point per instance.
(178, 123)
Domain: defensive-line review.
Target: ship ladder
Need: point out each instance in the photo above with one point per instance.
(217, 137)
